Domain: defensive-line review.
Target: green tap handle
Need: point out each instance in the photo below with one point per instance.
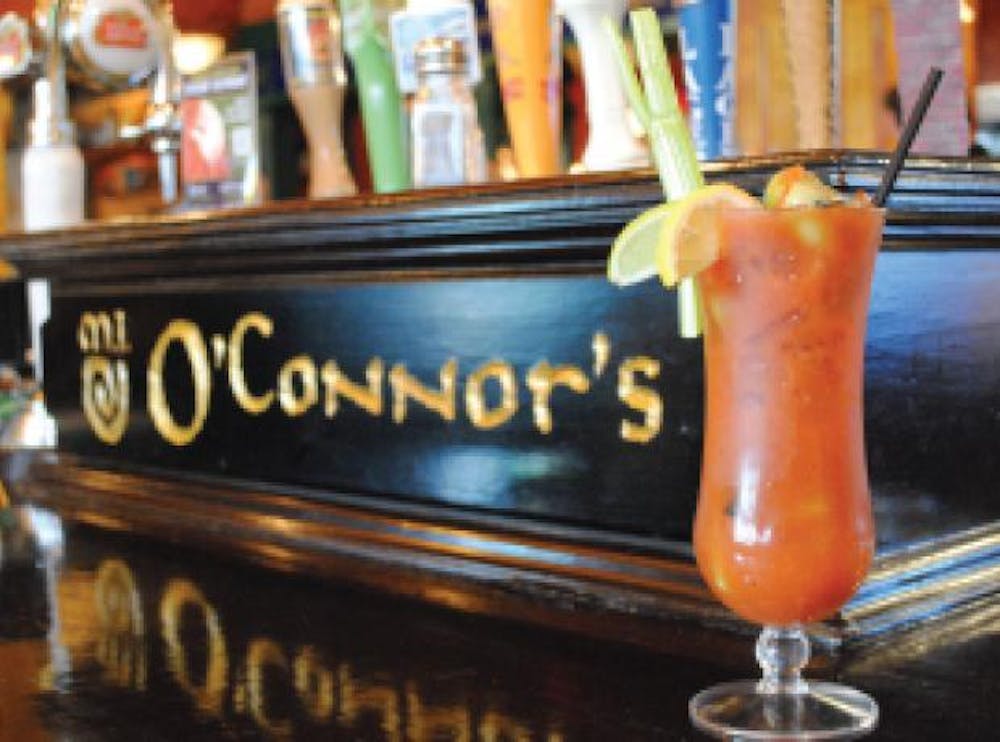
(382, 110)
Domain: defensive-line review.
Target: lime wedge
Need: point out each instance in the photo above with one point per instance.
(633, 253)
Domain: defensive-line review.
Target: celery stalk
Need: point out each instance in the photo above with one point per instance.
(669, 136)
(633, 91)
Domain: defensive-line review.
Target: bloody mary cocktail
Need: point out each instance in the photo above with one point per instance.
(783, 532)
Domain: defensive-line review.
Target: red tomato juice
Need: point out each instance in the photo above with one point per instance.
(783, 532)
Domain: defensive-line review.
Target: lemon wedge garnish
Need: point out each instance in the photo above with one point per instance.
(796, 186)
(674, 240)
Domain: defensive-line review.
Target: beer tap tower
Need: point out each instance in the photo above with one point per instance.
(105, 45)
(119, 44)
(111, 45)
(162, 124)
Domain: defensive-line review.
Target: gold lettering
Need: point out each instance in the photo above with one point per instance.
(178, 594)
(452, 722)
(260, 653)
(601, 347)
(240, 694)
(293, 403)
(542, 379)
(336, 384)
(116, 598)
(404, 385)
(122, 344)
(382, 699)
(219, 345)
(495, 727)
(94, 333)
(345, 686)
(263, 326)
(475, 395)
(121, 648)
(105, 395)
(640, 398)
(189, 336)
(103, 334)
(123, 663)
(314, 684)
(84, 333)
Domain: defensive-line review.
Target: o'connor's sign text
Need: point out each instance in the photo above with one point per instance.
(488, 394)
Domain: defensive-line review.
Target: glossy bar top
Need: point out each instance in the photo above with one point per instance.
(105, 637)
(534, 581)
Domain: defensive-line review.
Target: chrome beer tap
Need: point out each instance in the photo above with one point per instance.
(162, 123)
(121, 44)
(104, 45)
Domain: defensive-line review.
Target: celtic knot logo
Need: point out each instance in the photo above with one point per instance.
(104, 381)
(105, 393)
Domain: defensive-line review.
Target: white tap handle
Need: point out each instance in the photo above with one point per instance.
(320, 113)
(309, 32)
(611, 144)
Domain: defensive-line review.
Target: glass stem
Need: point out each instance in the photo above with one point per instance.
(782, 652)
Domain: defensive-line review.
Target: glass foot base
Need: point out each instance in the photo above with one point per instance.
(739, 711)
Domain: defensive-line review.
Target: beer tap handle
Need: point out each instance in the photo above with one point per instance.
(162, 122)
(611, 145)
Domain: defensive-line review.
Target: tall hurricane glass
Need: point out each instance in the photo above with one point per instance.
(783, 533)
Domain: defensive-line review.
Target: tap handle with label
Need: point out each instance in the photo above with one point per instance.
(313, 62)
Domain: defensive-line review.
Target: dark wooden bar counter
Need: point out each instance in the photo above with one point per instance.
(106, 637)
(410, 468)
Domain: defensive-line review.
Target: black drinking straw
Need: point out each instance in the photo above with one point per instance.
(913, 122)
